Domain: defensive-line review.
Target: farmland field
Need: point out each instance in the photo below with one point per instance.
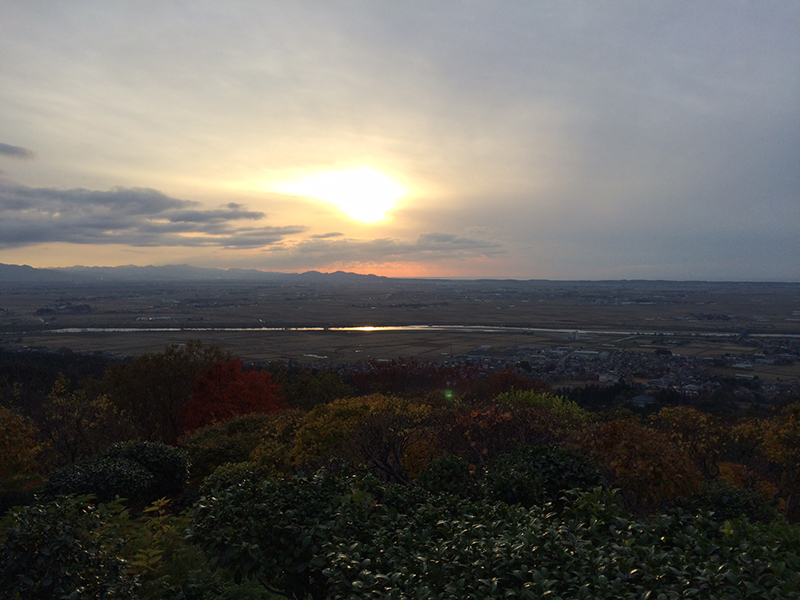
(259, 321)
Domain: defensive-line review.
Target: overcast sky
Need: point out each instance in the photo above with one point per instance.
(561, 140)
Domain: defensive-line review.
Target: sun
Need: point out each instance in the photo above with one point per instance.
(364, 194)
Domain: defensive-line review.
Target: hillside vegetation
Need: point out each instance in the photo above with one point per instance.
(186, 474)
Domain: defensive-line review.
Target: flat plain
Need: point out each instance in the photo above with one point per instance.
(266, 321)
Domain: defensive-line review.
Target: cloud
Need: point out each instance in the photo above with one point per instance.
(16, 151)
(131, 216)
(427, 248)
(323, 236)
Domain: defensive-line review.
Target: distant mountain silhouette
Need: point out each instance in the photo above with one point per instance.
(27, 274)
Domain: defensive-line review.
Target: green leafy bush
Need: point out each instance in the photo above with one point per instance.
(67, 548)
(449, 474)
(351, 538)
(727, 501)
(168, 465)
(535, 475)
(139, 471)
(229, 474)
(271, 529)
(104, 477)
(231, 441)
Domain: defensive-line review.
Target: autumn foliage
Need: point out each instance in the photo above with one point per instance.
(18, 447)
(227, 390)
(644, 462)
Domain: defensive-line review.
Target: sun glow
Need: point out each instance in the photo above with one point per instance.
(365, 194)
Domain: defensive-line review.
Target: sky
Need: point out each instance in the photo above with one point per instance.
(553, 140)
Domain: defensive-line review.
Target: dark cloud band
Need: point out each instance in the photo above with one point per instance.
(130, 216)
(16, 151)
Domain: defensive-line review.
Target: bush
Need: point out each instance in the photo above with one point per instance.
(273, 453)
(449, 474)
(270, 529)
(67, 548)
(352, 538)
(11, 498)
(227, 475)
(535, 475)
(106, 478)
(727, 501)
(139, 471)
(231, 441)
(168, 465)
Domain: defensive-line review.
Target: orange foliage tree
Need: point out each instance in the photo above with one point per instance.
(227, 390)
(698, 434)
(516, 418)
(643, 462)
(781, 445)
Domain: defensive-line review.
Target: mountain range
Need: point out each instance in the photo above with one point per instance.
(130, 273)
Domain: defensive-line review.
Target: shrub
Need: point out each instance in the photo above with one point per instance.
(68, 548)
(273, 453)
(231, 441)
(168, 465)
(728, 502)
(535, 475)
(449, 474)
(351, 538)
(139, 471)
(227, 475)
(272, 530)
(105, 477)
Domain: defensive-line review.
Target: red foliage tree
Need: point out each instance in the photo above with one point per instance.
(227, 390)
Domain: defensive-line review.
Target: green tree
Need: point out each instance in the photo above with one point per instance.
(230, 441)
(152, 389)
(76, 427)
(18, 447)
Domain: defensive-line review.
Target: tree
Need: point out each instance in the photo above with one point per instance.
(643, 462)
(782, 447)
(18, 447)
(226, 390)
(698, 434)
(76, 426)
(375, 430)
(305, 388)
(152, 389)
